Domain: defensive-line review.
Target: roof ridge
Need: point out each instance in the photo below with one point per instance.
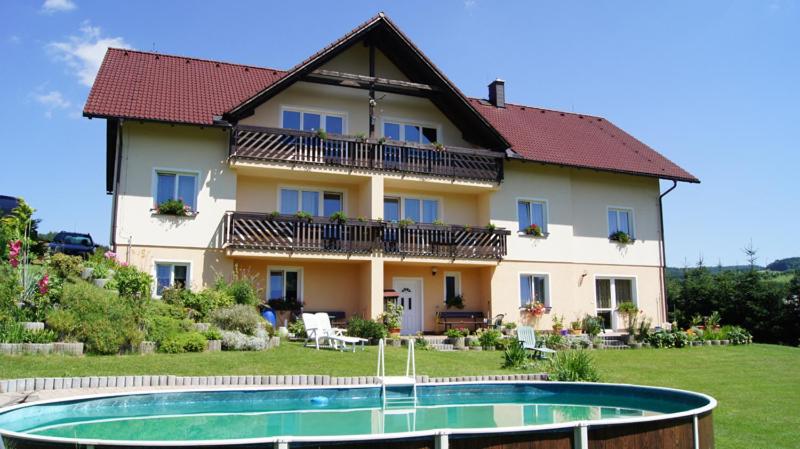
(546, 109)
(192, 58)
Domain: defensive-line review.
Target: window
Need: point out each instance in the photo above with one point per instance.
(610, 293)
(176, 186)
(533, 287)
(620, 220)
(285, 283)
(532, 212)
(331, 122)
(310, 201)
(410, 132)
(391, 209)
(416, 209)
(452, 285)
(170, 274)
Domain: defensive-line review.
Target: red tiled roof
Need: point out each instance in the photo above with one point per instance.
(150, 86)
(577, 140)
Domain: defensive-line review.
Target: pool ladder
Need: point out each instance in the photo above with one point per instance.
(405, 385)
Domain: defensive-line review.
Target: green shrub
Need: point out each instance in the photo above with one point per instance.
(11, 332)
(64, 323)
(489, 338)
(573, 366)
(159, 328)
(239, 318)
(515, 356)
(453, 333)
(680, 339)
(184, 342)
(132, 283)
(207, 301)
(662, 339)
(243, 292)
(736, 334)
(369, 329)
(213, 334)
(105, 322)
(297, 328)
(65, 266)
(592, 325)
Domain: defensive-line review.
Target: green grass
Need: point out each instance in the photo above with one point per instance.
(757, 386)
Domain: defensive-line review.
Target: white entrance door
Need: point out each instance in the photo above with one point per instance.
(410, 297)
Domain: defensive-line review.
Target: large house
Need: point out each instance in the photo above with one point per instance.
(364, 169)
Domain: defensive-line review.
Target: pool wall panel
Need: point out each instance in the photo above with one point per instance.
(673, 434)
(532, 440)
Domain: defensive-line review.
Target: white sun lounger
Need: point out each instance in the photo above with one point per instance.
(527, 337)
(319, 330)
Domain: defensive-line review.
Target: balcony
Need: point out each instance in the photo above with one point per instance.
(251, 143)
(272, 232)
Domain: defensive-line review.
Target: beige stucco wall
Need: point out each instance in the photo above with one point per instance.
(205, 265)
(577, 206)
(260, 194)
(472, 287)
(454, 208)
(572, 289)
(147, 147)
(326, 285)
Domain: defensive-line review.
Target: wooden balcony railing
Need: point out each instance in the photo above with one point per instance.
(245, 230)
(302, 147)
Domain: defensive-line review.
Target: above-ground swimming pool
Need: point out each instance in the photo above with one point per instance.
(472, 415)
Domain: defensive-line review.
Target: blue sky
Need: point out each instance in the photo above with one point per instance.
(713, 85)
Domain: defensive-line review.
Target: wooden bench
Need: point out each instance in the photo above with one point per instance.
(338, 318)
(461, 319)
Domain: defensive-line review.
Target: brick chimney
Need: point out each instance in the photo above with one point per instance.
(497, 93)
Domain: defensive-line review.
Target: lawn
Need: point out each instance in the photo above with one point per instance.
(757, 386)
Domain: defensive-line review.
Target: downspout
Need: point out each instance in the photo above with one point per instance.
(115, 200)
(663, 255)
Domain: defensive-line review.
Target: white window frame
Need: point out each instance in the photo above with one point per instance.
(545, 211)
(631, 218)
(323, 113)
(613, 278)
(547, 299)
(411, 122)
(455, 274)
(320, 190)
(177, 172)
(173, 263)
(285, 268)
(403, 197)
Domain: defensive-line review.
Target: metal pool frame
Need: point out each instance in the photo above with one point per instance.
(690, 429)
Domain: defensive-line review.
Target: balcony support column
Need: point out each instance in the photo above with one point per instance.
(376, 197)
(374, 281)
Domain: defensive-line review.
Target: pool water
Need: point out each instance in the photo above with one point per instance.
(227, 414)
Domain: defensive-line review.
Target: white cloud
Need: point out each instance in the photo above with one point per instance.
(84, 53)
(53, 6)
(51, 101)
(14, 39)
(469, 4)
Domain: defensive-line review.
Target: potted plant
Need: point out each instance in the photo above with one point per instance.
(456, 301)
(630, 314)
(533, 230)
(508, 328)
(558, 323)
(475, 345)
(274, 215)
(713, 320)
(175, 207)
(338, 217)
(621, 237)
(392, 317)
(592, 325)
(321, 134)
(575, 327)
(361, 137)
(395, 340)
(456, 338)
(438, 146)
(303, 216)
(405, 222)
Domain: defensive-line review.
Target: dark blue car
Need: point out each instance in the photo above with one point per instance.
(73, 244)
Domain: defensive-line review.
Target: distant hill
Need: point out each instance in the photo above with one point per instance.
(779, 266)
(678, 272)
(788, 264)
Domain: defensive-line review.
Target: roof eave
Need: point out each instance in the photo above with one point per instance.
(690, 179)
